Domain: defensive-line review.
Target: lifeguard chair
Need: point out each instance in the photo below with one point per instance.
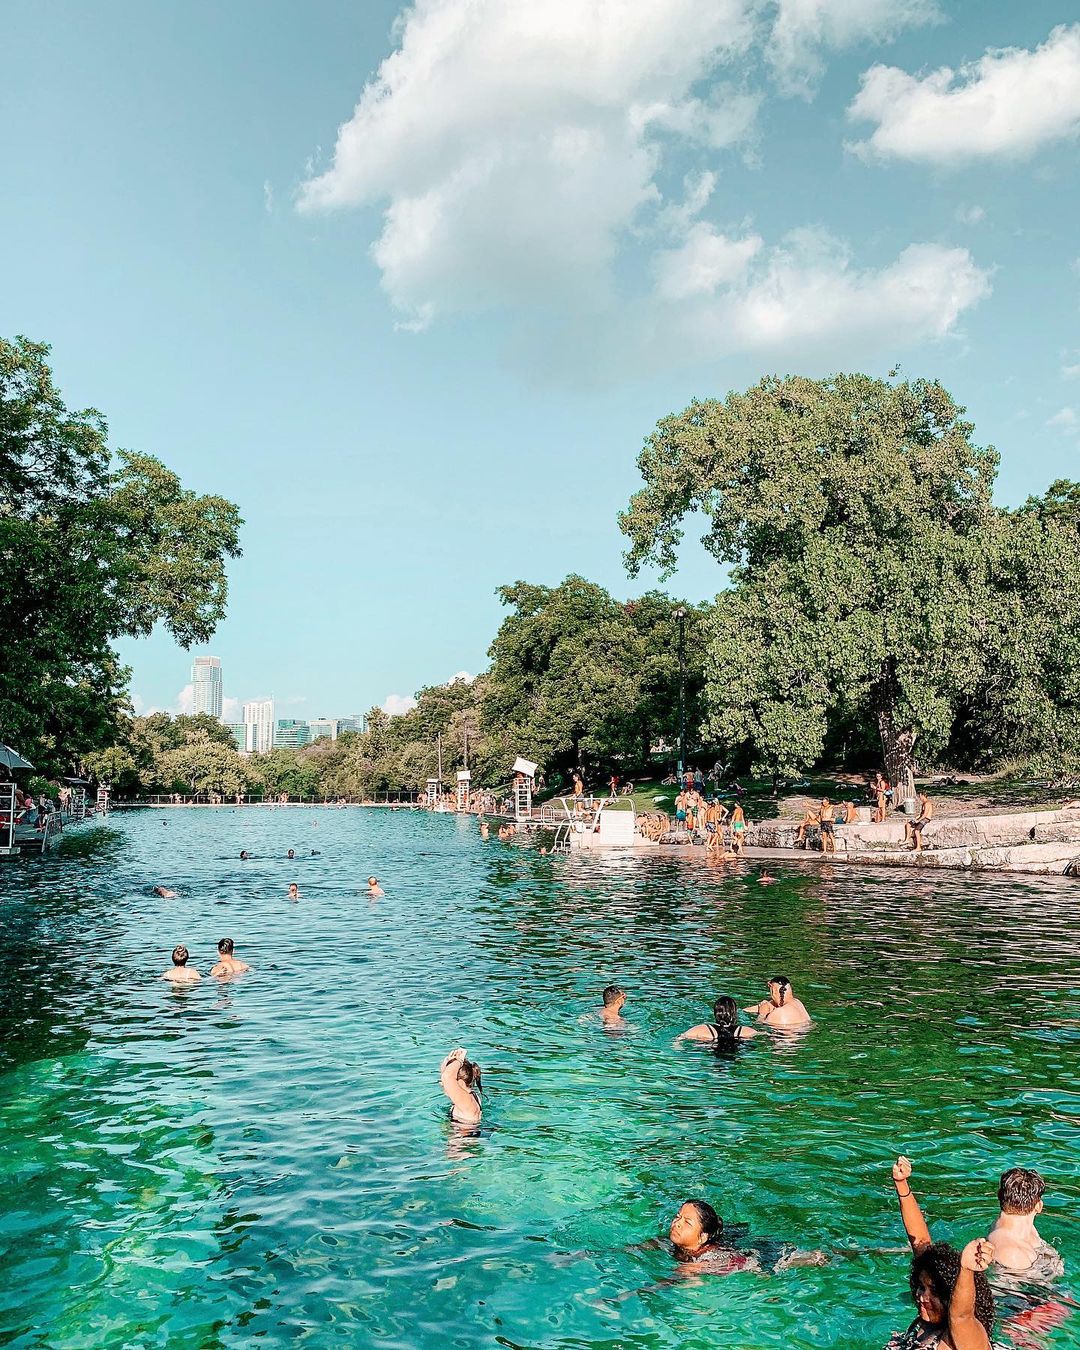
(431, 796)
(464, 779)
(522, 790)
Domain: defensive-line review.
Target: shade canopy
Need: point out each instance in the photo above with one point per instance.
(525, 766)
(11, 759)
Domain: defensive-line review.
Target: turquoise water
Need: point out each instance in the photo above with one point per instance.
(269, 1161)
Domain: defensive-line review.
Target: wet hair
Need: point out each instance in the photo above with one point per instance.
(1020, 1190)
(244, 853)
(785, 985)
(373, 881)
(291, 853)
(725, 1013)
(469, 1074)
(225, 946)
(941, 1262)
(611, 993)
(712, 1225)
(180, 955)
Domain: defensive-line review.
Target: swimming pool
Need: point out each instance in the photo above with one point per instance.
(269, 1161)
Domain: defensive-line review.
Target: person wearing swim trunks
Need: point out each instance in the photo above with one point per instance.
(461, 1081)
(913, 828)
(1018, 1248)
(827, 822)
(681, 804)
(781, 1008)
(949, 1288)
(181, 972)
(724, 1029)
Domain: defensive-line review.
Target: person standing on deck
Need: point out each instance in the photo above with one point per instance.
(827, 822)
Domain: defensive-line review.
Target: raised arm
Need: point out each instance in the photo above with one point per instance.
(914, 1223)
(965, 1330)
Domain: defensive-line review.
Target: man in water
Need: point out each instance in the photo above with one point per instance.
(291, 854)
(781, 1008)
(227, 963)
(373, 888)
(294, 891)
(181, 972)
(1018, 1248)
(484, 830)
(913, 828)
(164, 892)
(611, 1013)
(244, 855)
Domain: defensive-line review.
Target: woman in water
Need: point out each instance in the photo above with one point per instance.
(781, 1008)
(724, 1029)
(701, 1248)
(460, 1079)
(949, 1289)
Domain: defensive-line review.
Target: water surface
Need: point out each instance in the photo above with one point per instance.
(268, 1161)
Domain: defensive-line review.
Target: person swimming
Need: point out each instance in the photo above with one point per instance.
(294, 892)
(701, 1247)
(244, 855)
(181, 972)
(164, 892)
(611, 1012)
(1018, 1248)
(227, 963)
(723, 1030)
(373, 887)
(460, 1079)
(781, 1008)
(291, 854)
(949, 1288)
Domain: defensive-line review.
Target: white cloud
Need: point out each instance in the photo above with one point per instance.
(1066, 419)
(806, 295)
(514, 143)
(462, 677)
(231, 710)
(970, 215)
(1009, 103)
(396, 704)
(704, 261)
(803, 29)
(268, 197)
(185, 700)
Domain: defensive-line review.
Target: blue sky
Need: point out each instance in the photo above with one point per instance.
(411, 286)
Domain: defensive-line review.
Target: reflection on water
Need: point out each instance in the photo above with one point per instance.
(269, 1159)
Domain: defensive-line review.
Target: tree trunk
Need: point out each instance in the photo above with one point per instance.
(897, 741)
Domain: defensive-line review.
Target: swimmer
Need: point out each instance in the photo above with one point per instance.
(484, 830)
(294, 892)
(460, 1079)
(723, 1030)
(291, 854)
(315, 853)
(781, 1008)
(949, 1288)
(227, 962)
(614, 1000)
(373, 888)
(765, 879)
(164, 892)
(699, 1245)
(1018, 1248)
(244, 855)
(181, 972)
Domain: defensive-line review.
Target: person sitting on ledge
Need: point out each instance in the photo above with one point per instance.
(614, 1000)
(809, 820)
(181, 972)
(227, 963)
(913, 828)
(781, 1008)
(724, 1029)
(461, 1081)
(1018, 1248)
(949, 1288)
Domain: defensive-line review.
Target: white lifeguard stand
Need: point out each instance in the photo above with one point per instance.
(464, 778)
(524, 772)
(431, 796)
(103, 799)
(8, 846)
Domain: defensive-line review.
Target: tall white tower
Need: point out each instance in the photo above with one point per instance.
(206, 681)
(259, 726)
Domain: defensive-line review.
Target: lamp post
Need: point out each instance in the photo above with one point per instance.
(680, 614)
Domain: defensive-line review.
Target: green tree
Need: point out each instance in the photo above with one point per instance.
(852, 513)
(204, 766)
(92, 547)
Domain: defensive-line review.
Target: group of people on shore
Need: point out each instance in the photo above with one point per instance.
(950, 1289)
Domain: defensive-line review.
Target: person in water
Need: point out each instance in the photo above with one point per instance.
(781, 1008)
(614, 999)
(227, 964)
(291, 854)
(373, 887)
(701, 1247)
(949, 1288)
(1018, 1248)
(294, 892)
(460, 1079)
(181, 972)
(164, 892)
(244, 855)
(724, 1029)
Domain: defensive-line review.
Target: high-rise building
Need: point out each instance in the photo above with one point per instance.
(239, 734)
(322, 727)
(290, 733)
(206, 682)
(259, 726)
(354, 723)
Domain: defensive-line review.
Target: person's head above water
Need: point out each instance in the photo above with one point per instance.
(934, 1272)
(225, 946)
(469, 1074)
(294, 890)
(244, 854)
(373, 881)
(779, 988)
(1021, 1191)
(180, 955)
(725, 1013)
(696, 1225)
(291, 853)
(613, 996)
